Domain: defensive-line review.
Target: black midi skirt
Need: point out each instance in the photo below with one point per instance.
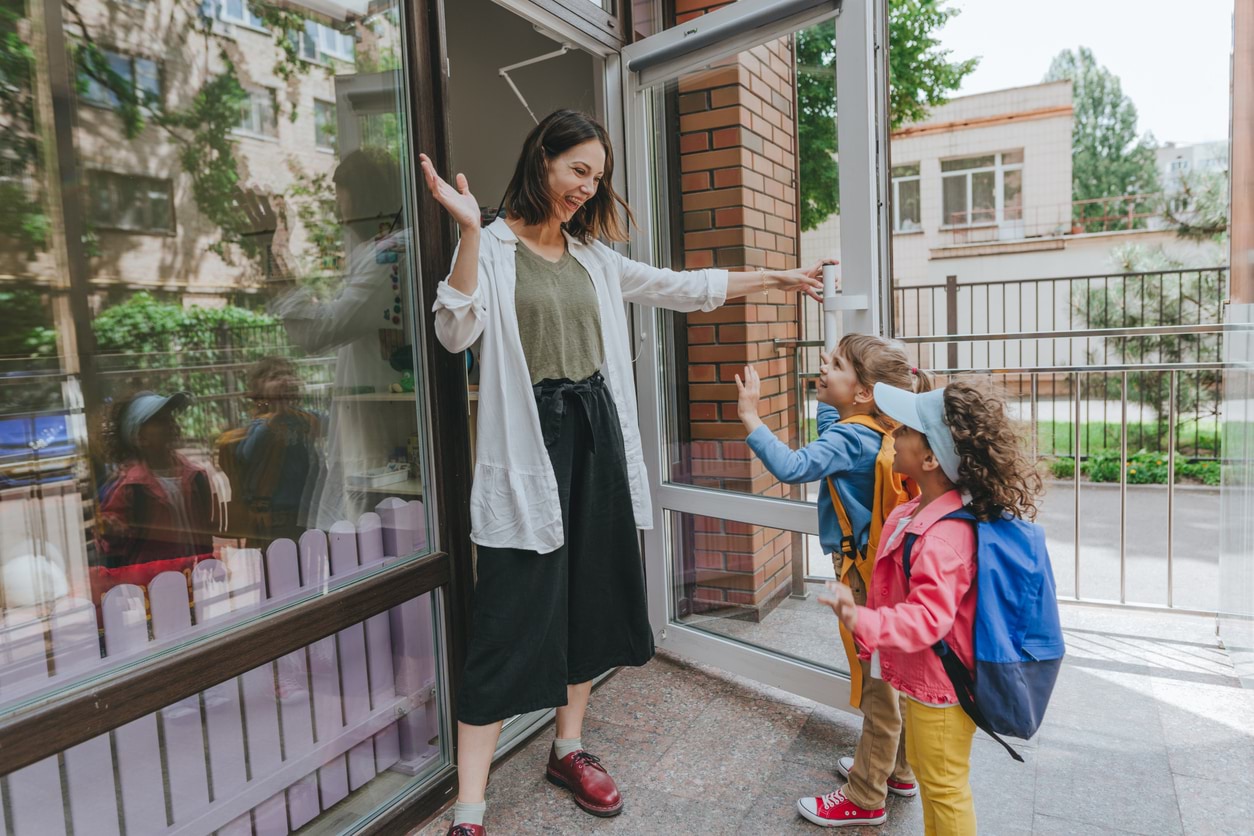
(543, 621)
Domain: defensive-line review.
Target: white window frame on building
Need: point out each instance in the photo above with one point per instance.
(1002, 163)
(319, 43)
(903, 177)
(324, 125)
(245, 18)
(118, 203)
(257, 98)
(125, 64)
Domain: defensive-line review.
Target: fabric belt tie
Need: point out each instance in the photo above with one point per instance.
(552, 398)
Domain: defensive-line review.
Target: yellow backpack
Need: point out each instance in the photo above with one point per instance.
(890, 491)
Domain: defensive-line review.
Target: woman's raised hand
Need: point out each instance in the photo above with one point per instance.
(809, 282)
(459, 202)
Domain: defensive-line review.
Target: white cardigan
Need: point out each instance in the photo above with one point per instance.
(513, 501)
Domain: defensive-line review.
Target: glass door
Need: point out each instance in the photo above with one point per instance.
(754, 145)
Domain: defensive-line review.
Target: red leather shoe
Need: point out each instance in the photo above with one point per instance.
(467, 830)
(582, 774)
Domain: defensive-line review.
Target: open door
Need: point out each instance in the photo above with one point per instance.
(754, 141)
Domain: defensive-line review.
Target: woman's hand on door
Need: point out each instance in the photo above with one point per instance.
(459, 202)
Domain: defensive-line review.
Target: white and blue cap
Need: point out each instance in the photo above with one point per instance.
(926, 413)
(144, 406)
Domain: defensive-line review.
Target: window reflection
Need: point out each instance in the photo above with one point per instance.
(219, 360)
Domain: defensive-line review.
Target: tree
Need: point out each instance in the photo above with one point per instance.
(920, 77)
(1108, 158)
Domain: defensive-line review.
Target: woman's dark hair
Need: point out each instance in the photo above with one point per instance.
(528, 197)
(372, 179)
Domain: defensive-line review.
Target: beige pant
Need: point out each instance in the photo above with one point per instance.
(881, 752)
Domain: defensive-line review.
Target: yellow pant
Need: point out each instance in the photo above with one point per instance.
(938, 746)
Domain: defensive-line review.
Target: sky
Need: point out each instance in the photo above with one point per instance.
(1172, 57)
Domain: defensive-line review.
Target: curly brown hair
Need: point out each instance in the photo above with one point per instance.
(994, 467)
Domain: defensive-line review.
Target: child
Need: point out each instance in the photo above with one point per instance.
(957, 443)
(852, 508)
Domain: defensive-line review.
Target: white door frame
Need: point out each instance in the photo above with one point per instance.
(861, 34)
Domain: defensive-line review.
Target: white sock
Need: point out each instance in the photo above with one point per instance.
(565, 747)
(464, 813)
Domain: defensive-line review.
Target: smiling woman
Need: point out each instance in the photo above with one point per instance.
(543, 297)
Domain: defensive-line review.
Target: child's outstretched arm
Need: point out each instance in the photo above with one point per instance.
(831, 453)
(750, 392)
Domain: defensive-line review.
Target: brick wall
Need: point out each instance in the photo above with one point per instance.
(737, 176)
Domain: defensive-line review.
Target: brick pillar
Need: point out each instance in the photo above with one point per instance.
(738, 172)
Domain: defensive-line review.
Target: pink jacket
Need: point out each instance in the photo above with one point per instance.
(940, 605)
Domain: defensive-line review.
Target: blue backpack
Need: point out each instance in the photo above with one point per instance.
(1018, 644)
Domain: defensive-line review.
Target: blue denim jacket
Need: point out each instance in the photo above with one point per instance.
(844, 451)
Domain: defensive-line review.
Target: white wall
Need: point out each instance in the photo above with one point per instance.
(1046, 144)
(488, 122)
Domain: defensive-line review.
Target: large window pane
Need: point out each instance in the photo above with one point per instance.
(757, 186)
(218, 383)
(955, 200)
(721, 565)
(983, 197)
(909, 210)
(1012, 190)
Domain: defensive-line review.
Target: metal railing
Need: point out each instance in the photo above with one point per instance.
(1168, 316)
(1129, 400)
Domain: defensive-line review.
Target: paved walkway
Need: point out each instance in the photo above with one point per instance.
(1149, 732)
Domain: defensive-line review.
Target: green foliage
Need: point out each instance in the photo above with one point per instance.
(1193, 438)
(1175, 296)
(209, 156)
(1108, 159)
(1146, 468)
(313, 195)
(921, 77)
(1198, 206)
(25, 325)
(22, 216)
(1062, 468)
(144, 325)
(203, 127)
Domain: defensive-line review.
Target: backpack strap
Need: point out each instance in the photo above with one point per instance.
(848, 547)
(959, 677)
(848, 543)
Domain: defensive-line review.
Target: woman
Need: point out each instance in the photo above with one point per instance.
(363, 323)
(559, 485)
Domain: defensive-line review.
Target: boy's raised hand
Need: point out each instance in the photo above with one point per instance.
(749, 393)
(840, 598)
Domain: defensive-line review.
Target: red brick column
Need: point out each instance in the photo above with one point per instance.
(738, 197)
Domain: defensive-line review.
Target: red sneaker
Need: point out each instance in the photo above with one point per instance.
(467, 830)
(834, 810)
(582, 774)
(901, 788)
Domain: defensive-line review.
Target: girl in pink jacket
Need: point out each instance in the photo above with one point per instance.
(961, 447)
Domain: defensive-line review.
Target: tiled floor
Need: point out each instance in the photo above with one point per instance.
(1148, 732)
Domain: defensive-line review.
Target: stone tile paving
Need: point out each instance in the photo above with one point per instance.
(1149, 732)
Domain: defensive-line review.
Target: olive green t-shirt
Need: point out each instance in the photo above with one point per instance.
(559, 318)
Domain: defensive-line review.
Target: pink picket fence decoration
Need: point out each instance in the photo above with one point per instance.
(264, 753)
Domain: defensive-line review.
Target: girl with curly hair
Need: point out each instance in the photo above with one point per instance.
(961, 447)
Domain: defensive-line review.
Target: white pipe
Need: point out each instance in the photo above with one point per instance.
(831, 309)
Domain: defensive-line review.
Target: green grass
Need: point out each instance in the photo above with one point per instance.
(1194, 438)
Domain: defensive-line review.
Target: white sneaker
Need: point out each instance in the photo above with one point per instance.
(844, 765)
